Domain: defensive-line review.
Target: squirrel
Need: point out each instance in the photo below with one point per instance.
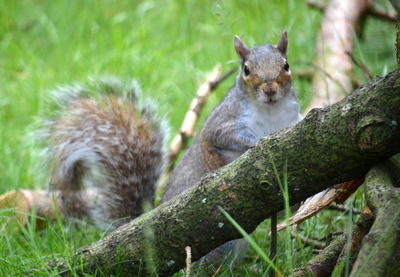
(261, 102)
(107, 151)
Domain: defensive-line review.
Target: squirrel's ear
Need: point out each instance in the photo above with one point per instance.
(283, 43)
(241, 49)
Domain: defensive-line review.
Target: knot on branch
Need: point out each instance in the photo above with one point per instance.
(375, 133)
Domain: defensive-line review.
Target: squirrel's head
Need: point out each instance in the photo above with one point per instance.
(265, 72)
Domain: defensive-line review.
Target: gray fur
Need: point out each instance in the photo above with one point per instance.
(101, 164)
(245, 115)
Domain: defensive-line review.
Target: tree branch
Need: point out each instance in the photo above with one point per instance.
(330, 146)
(381, 245)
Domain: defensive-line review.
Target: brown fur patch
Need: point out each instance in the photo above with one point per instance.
(284, 78)
(211, 157)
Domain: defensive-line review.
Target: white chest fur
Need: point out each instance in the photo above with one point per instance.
(263, 120)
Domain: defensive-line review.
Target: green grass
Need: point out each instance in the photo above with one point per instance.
(169, 47)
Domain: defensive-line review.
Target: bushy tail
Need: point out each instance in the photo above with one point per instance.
(107, 150)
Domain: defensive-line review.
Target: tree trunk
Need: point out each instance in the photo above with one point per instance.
(331, 145)
(331, 81)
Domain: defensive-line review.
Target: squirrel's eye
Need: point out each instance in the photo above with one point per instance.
(286, 66)
(246, 70)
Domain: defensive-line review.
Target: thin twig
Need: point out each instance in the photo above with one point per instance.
(343, 208)
(329, 76)
(364, 68)
(329, 236)
(308, 241)
(227, 74)
(382, 14)
(318, 5)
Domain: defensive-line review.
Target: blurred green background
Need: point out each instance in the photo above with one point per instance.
(168, 46)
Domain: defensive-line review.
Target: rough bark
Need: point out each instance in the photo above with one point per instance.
(331, 145)
(381, 245)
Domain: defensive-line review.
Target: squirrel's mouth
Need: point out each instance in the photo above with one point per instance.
(271, 101)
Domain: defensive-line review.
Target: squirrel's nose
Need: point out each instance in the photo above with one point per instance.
(270, 92)
(269, 89)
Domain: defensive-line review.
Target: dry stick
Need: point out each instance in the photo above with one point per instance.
(382, 14)
(371, 10)
(188, 125)
(22, 202)
(318, 202)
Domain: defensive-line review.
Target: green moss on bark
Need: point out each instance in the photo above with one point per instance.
(381, 246)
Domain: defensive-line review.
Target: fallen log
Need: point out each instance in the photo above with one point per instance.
(331, 145)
